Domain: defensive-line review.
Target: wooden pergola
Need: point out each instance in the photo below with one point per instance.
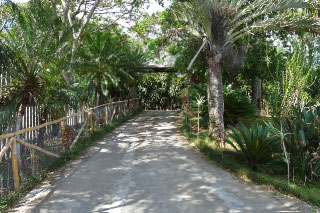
(157, 68)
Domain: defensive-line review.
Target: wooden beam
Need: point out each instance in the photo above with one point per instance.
(156, 69)
(5, 148)
(77, 137)
(37, 148)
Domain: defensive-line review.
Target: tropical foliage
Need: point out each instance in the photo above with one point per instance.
(246, 60)
(237, 105)
(292, 91)
(107, 61)
(255, 143)
(32, 43)
(301, 134)
(161, 91)
(36, 45)
(221, 23)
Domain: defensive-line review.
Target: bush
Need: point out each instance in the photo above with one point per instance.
(255, 143)
(236, 105)
(160, 91)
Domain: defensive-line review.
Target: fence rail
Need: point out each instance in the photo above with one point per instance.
(30, 154)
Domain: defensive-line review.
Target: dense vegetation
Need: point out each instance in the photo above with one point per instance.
(161, 91)
(251, 66)
(44, 63)
(266, 85)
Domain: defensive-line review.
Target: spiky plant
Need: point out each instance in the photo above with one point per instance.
(301, 136)
(32, 38)
(33, 41)
(255, 143)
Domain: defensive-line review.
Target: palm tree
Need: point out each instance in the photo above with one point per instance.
(32, 39)
(7, 109)
(105, 62)
(222, 22)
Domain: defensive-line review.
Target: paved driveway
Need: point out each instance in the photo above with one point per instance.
(146, 166)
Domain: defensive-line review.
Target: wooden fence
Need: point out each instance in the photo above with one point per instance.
(91, 118)
(32, 119)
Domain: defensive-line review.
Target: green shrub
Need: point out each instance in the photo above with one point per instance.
(160, 90)
(236, 105)
(255, 143)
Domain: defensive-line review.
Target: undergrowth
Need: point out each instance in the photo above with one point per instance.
(272, 175)
(81, 146)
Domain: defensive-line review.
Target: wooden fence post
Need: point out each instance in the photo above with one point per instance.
(63, 136)
(15, 169)
(117, 110)
(129, 106)
(33, 162)
(125, 108)
(113, 113)
(91, 122)
(107, 118)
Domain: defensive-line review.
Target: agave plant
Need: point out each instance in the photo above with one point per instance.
(302, 140)
(256, 143)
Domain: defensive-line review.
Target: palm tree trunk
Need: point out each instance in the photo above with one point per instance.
(256, 94)
(215, 98)
(100, 95)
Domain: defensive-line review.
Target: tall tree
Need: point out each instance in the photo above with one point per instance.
(71, 9)
(77, 14)
(222, 22)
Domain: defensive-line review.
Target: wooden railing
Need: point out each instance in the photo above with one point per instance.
(91, 119)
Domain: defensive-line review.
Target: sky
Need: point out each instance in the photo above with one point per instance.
(154, 7)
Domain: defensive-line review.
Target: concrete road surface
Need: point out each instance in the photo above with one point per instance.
(146, 166)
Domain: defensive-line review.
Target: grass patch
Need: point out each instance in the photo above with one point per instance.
(81, 146)
(272, 175)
